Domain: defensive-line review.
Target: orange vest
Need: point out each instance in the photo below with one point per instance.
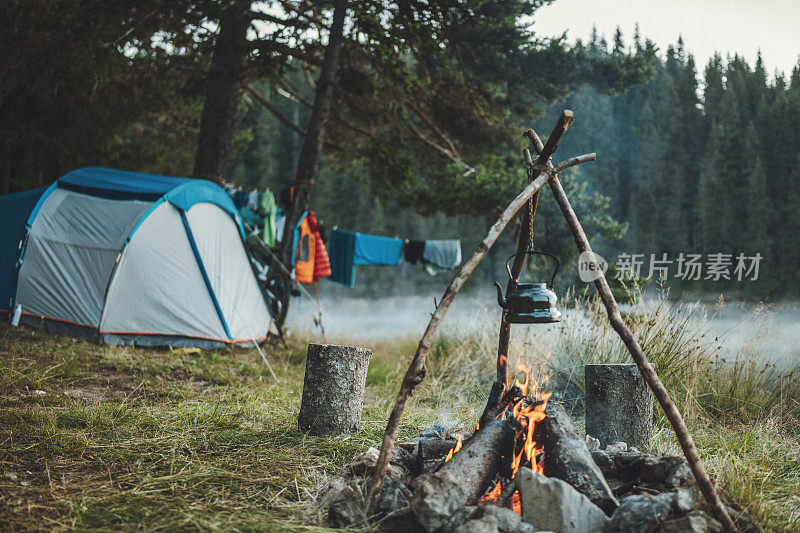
(305, 253)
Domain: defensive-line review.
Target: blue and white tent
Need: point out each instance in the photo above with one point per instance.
(131, 259)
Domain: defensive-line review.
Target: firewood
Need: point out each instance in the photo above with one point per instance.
(333, 389)
(566, 457)
(464, 479)
(619, 405)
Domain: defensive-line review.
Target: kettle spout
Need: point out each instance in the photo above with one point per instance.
(501, 301)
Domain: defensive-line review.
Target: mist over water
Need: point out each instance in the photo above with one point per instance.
(770, 333)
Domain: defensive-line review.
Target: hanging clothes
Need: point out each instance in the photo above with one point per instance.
(443, 254)
(304, 252)
(280, 224)
(250, 216)
(270, 209)
(322, 264)
(412, 251)
(342, 246)
(254, 200)
(239, 198)
(378, 251)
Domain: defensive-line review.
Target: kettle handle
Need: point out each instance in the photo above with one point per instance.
(531, 252)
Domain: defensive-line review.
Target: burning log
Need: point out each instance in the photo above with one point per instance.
(568, 459)
(333, 389)
(619, 406)
(464, 479)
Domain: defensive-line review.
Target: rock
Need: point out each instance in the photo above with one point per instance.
(460, 516)
(617, 447)
(669, 470)
(433, 513)
(507, 520)
(395, 496)
(592, 443)
(365, 462)
(680, 475)
(552, 504)
(684, 500)
(485, 524)
(436, 432)
(525, 527)
(640, 513)
(347, 510)
(694, 522)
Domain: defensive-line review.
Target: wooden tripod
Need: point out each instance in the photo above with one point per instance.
(547, 173)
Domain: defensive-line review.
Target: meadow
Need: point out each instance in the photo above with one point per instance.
(108, 438)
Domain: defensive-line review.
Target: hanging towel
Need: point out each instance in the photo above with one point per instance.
(378, 251)
(412, 251)
(280, 223)
(254, 200)
(270, 217)
(443, 254)
(341, 247)
(250, 216)
(239, 198)
(322, 263)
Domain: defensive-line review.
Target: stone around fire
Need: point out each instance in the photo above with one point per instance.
(553, 505)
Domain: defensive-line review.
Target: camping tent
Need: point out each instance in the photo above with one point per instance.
(132, 259)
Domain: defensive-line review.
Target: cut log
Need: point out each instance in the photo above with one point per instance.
(619, 405)
(333, 389)
(567, 458)
(465, 478)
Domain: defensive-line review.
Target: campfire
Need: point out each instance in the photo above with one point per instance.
(521, 408)
(525, 467)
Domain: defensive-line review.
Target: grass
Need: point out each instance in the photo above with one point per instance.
(102, 438)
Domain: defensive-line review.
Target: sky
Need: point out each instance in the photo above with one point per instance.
(727, 26)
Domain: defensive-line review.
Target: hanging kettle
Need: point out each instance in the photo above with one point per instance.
(530, 303)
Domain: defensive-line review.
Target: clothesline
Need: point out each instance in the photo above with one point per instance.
(313, 260)
(348, 249)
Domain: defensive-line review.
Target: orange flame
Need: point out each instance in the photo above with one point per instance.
(494, 493)
(453, 451)
(527, 371)
(516, 503)
(527, 414)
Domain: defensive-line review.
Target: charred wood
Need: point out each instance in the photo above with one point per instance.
(465, 478)
(567, 458)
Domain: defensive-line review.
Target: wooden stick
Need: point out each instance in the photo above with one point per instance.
(639, 357)
(416, 370)
(563, 124)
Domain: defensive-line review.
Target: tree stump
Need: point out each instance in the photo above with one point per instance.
(333, 389)
(619, 405)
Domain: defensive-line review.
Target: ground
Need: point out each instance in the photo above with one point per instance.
(97, 437)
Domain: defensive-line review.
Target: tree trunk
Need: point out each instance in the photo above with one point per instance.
(315, 132)
(333, 389)
(619, 405)
(222, 94)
